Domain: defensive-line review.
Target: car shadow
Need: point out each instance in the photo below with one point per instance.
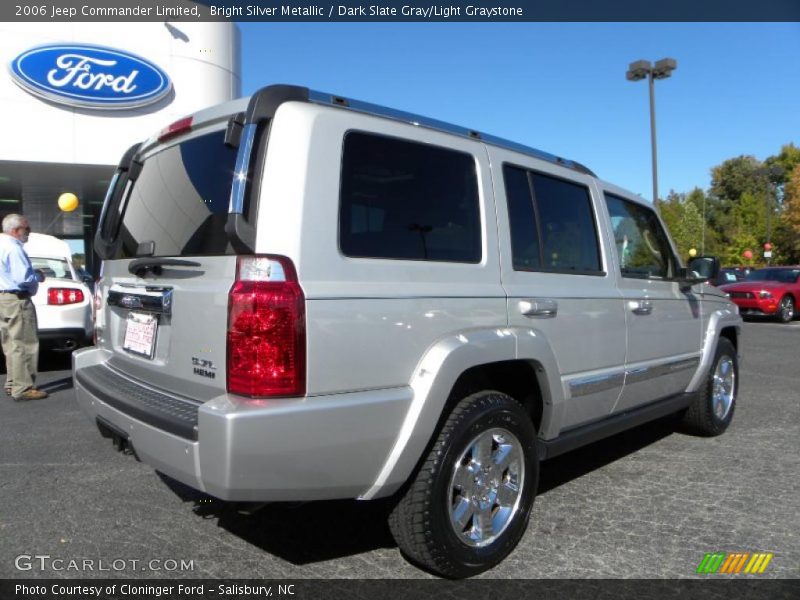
(51, 387)
(48, 361)
(300, 533)
(563, 469)
(303, 533)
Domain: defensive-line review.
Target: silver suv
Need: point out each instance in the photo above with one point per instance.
(306, 297)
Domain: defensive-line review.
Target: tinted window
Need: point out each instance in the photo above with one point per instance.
(525, 248)
(552, 223)
(642, 245)
(406, 200)
(780, 275)
(180, 200)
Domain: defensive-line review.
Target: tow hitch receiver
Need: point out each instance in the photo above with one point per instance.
(119, 439)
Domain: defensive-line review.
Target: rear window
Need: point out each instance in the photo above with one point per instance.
(180, 200)
(406, 200)
(52, 267)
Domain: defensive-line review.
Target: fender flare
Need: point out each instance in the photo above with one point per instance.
(718, 320)
(433, 379)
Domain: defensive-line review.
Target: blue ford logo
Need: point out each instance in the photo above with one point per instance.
(90, 76)
(130, 302)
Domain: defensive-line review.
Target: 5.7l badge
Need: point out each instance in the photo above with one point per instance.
(204, 367)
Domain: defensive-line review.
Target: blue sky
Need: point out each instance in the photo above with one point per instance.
(561, 87)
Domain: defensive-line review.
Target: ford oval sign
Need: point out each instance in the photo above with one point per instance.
(89, 76)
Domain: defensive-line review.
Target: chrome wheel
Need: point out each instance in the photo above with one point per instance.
(787, 309)
(724, 387)
(486, 487)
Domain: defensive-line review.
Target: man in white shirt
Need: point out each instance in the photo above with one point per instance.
(18, 282)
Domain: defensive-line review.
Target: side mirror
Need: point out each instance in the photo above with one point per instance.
(700, 270)
(704, 267)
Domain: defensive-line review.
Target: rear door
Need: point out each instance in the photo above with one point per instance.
(558, 287)
(163, 295)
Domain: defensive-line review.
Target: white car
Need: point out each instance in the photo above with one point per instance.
(63, 302)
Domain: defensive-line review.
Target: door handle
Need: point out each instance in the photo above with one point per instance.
(538, 307)
(641, 307)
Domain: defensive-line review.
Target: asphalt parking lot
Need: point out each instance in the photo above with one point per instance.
(648, 503)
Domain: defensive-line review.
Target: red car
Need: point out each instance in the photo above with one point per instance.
(772, 291)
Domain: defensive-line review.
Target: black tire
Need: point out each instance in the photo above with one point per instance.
(786, 310)
(421, 521)
(711, 412)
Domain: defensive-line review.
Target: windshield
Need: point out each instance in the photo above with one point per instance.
(179, 202)
(780, 275)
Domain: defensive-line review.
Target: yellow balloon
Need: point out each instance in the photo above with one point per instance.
(692, 252)
(67, 202)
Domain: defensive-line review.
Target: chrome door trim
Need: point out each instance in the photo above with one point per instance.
(596, 384)
(638, 374)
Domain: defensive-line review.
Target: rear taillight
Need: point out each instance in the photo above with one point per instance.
(61, 296)
(266, 329)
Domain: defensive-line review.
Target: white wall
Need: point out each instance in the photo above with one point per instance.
(202, 59)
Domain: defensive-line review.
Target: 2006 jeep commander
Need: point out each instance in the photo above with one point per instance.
(306, 297)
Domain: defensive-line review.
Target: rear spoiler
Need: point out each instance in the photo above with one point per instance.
(248, 132)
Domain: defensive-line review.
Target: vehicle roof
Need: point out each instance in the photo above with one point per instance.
(223, 111)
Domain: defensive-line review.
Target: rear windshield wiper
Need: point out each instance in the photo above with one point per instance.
(141, 266)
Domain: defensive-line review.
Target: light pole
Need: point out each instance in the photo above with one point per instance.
(661, 70)
(770, 174)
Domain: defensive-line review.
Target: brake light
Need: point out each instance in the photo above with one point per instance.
(266, 329)
(175, 129)
(64, 296)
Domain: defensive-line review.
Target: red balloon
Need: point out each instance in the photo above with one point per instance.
(747, 254)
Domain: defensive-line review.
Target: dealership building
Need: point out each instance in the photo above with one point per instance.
(76, 96)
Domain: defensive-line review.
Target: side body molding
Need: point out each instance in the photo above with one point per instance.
(434, 378)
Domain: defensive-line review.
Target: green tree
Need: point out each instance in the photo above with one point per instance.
(688, 232)
(747, 229)
(683, 216)
(735, 177)
(782, 165)
(787, 233)
(748, 202)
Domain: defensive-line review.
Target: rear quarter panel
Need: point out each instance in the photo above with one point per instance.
(369, 321)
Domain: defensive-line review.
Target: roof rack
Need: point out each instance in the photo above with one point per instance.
(264, 103)
(406, 117)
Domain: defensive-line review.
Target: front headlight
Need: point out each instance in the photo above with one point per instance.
(764, 294)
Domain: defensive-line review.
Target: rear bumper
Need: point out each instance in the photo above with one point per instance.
(64, 338)
(315, 448)
(69, 317)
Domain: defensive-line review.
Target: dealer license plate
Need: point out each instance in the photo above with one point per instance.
(140, 334)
